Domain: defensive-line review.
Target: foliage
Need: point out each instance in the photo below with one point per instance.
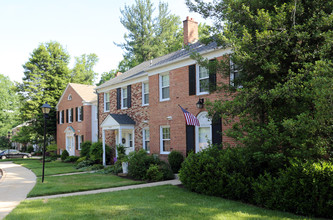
(139, 162)
(283, 53)
(9, 105)
(4, 143)
(96, 152)
(64, 155)
(153, 173)
(106, 76)
(175, 159)
(85, 149)
(83, 72)
(30, 149)
(71, 159)
(84, 163)
(51, 149)
(148, 37)
(24, 135)
(46, 75)
(302, 188)
(114, 169)
(122, 157)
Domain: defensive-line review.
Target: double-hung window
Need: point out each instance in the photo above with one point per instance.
(124, 98)
(202, 80)
(146, 139)
(61, 117)
(106, 102)
(70, 115)
(164, 87)
(234, 75)
(145, 93)
(165, 141)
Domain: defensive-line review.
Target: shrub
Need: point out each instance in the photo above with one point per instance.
(165, 169)
(51, 149)
(302, 188)
(175, 159)
(85, 149)
(84, 163)
(96, 153)
(81, 159)
(114, 169)
(64, 155)
(30, 149)
(139, 162)
(153, 173)
(97, 167)
(71, 159)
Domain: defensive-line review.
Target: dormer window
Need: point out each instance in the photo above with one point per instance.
(69, 97)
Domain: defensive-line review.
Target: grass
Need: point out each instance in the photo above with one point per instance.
(51, 168)
(162, 202)
(81, 182)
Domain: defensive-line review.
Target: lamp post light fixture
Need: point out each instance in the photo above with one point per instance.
(46, 110)
(200, 103)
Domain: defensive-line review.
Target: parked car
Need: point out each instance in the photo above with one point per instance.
(13, 154)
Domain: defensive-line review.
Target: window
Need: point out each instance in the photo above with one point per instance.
(146, 139)
(164, 87)
(124, 97)
(145, 93)
(130, 140)
(79, 141)
(202, 80)
(61, 117)
(69, 97)
(106, 102)
(70, 115)
(79, 113)
(234, 75)
(203, 133)
(165, 140)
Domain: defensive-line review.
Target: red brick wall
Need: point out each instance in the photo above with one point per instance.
(81, 128)
(137, 112)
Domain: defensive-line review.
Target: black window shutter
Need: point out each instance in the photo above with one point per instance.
(212, 76)
(191, 80)
(217, 130)
(128, 96)
(81, 113)
(76, 142)
(63, 116)
(66, 115)
(58, 117)
(76, 116)
(72, 111)
(118, 98)
(190, 141)
(82, 139)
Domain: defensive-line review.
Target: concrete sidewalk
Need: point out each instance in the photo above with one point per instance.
(168, 182)
(15, 184)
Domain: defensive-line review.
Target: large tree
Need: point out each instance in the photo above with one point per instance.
(83, 72)
(46, 75)
(283, 53)
(107, 76)
(148, 36)
(9, 104)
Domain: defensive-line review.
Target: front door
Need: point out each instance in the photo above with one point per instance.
(127, 140)
(70, 145)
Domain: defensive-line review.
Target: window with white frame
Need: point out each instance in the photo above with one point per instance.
(204, 132)
(69, 97)
(234, 75)
(164, 87)
(145, 93)
(79, 114)
(106, 102)
(146, 139)
(165, 141)
(70, 115)
(61, 116)
(124, 98)
(202, 80)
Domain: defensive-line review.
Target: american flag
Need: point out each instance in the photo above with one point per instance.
(189, 118)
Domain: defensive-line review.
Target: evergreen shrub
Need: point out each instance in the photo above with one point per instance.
(30, 149)
(175, 159)
(96, 153)
(71, 159)
(64, 155)
(85, 149)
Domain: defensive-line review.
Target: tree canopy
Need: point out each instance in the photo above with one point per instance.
(148, 36)
(83, 72)
(107, 76)
(283, 53)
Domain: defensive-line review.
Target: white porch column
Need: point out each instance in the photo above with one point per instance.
(120, 141)
(103, 137)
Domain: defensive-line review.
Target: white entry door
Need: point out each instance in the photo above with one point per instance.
(70, 146)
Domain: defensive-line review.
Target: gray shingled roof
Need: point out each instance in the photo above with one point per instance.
(141, 69)
(123, 119)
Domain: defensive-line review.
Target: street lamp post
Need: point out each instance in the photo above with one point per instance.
(45, 109)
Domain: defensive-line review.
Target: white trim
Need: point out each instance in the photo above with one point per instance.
(197, 77)
(124, 83)
(144, 138)
(105, 110)
(143, 93)
(161, 139)
(160, 86)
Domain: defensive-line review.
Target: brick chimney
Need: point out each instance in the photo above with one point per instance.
(190, 31)
(118, 73)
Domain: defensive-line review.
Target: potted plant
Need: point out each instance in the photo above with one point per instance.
(122, 157)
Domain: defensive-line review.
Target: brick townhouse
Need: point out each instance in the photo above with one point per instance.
(76, 118)
(140, 108)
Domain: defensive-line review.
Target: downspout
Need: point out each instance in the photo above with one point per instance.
(97, 115)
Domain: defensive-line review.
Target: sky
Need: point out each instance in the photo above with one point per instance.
(80, 26)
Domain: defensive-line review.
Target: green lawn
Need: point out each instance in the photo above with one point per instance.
(51, 168)
(79, 182)
(162, 202)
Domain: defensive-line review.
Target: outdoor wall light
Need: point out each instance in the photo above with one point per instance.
(200, 103)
